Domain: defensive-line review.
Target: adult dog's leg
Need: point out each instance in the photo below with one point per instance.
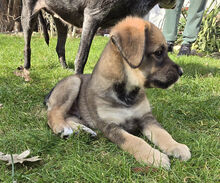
(60, 102)
(136, 146)
(62, 30)
(90, 26)
(28, 21)
(163, 139)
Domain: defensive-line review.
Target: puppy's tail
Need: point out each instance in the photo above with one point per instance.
(46, 98)
(44, 27)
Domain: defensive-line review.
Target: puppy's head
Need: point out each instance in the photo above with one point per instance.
(143, 49)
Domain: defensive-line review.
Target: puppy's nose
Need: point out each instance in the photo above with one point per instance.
(180, 71)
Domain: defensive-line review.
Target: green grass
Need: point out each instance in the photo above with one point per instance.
(190, 111)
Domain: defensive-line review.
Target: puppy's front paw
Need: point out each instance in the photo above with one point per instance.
(158, 159)
(153, 157)
(180, 151)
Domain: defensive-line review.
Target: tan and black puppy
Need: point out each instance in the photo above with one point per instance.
(112, 99)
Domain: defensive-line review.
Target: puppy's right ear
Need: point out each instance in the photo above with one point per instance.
(131, 43)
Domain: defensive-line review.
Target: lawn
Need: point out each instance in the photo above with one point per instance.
(190, 111)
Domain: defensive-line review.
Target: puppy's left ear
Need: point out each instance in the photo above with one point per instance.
(131, 44)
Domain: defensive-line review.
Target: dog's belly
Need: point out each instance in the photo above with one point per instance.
(107, 12)
(69, 11)
(74, 18)
(119, 115)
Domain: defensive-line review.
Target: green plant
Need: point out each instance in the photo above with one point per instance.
(208, 40)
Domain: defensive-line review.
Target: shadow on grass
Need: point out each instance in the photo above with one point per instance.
(194, 69)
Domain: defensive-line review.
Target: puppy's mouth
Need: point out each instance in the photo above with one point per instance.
(163, 85)
(158, 81)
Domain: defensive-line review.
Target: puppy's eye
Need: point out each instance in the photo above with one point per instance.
(158, 53)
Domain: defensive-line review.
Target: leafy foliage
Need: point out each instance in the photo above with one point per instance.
(209, 36)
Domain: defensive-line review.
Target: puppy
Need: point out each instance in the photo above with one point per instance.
(112, 98)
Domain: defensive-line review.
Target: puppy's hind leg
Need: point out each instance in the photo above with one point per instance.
(59, 103)
(76, 125)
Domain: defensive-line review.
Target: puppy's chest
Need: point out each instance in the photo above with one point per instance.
(122, 115)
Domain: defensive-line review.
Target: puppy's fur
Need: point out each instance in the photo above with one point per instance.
(112, 99)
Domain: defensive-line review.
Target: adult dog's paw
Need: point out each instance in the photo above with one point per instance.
(180, 151)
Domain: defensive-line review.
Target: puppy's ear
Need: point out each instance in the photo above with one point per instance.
(131, 44)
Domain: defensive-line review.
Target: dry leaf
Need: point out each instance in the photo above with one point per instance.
(24, 73)
(18, 158)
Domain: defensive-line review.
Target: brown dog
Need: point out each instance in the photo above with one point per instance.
(112, 99)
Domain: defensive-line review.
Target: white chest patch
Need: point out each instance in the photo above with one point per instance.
(120, 115)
